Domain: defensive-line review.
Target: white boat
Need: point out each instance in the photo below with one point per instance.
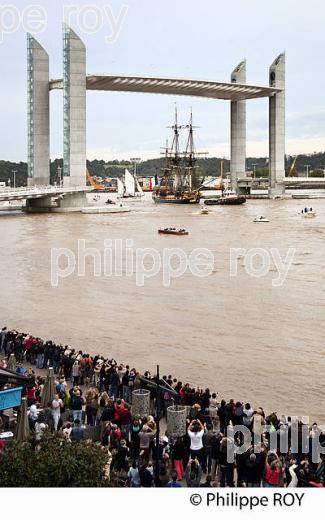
(129, 187)
(261, 219)
(114, 208)
(204, 211)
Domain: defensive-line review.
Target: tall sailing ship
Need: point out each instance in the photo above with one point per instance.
(179, 183)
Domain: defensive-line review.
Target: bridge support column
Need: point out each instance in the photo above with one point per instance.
(238, 130)
(65, 203)
(71, 202)
(38, 114)
(277, 128)
(74, 109)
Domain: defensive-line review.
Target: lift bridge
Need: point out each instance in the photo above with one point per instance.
(74, 84)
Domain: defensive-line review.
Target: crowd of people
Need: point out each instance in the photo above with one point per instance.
(95, 392)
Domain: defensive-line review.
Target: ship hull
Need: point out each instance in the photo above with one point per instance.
(171, 232)
(176, 200)
(231, 201)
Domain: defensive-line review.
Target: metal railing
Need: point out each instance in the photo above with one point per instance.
(41, 190)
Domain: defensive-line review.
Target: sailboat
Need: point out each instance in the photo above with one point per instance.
(179, 183)
(130, 187)
(129, 184)
(120, 188)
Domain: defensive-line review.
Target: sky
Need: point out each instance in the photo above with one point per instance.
(172, 38)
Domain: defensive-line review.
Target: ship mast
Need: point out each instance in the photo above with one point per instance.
(175, 156)
(175, 143)
(190, 152)
(190, 156)
(166, 167)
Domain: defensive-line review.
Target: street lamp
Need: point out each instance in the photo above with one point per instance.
(59, 173)
(14, 172)
(254, 169)
(135, 161)
(307, 166)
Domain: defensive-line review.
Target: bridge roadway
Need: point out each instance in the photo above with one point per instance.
(173, 86)
(38, 192)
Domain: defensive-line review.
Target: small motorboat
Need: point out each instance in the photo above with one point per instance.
(204, 211)
(109, 201)
(261, 219)
(172, 231)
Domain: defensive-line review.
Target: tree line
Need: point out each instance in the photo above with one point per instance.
(210, 166)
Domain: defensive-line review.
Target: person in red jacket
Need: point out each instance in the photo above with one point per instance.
(125, 421)
(28, 346)
(30, 393)
(119, 406)
(273, 469)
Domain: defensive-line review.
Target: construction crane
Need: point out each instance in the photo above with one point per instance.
(95, 185)
(292, 167)
(220, 184)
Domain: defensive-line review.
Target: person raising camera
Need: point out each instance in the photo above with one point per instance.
(195, 433)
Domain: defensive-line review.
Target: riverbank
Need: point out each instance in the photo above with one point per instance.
(76, 354)
(89, 400)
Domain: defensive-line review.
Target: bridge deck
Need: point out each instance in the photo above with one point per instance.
(174, 86)
(39, 192)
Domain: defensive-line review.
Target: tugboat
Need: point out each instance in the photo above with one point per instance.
(179, 184)
(228, 198)
(172, 231)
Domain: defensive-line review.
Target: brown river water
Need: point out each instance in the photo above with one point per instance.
(238, 335)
